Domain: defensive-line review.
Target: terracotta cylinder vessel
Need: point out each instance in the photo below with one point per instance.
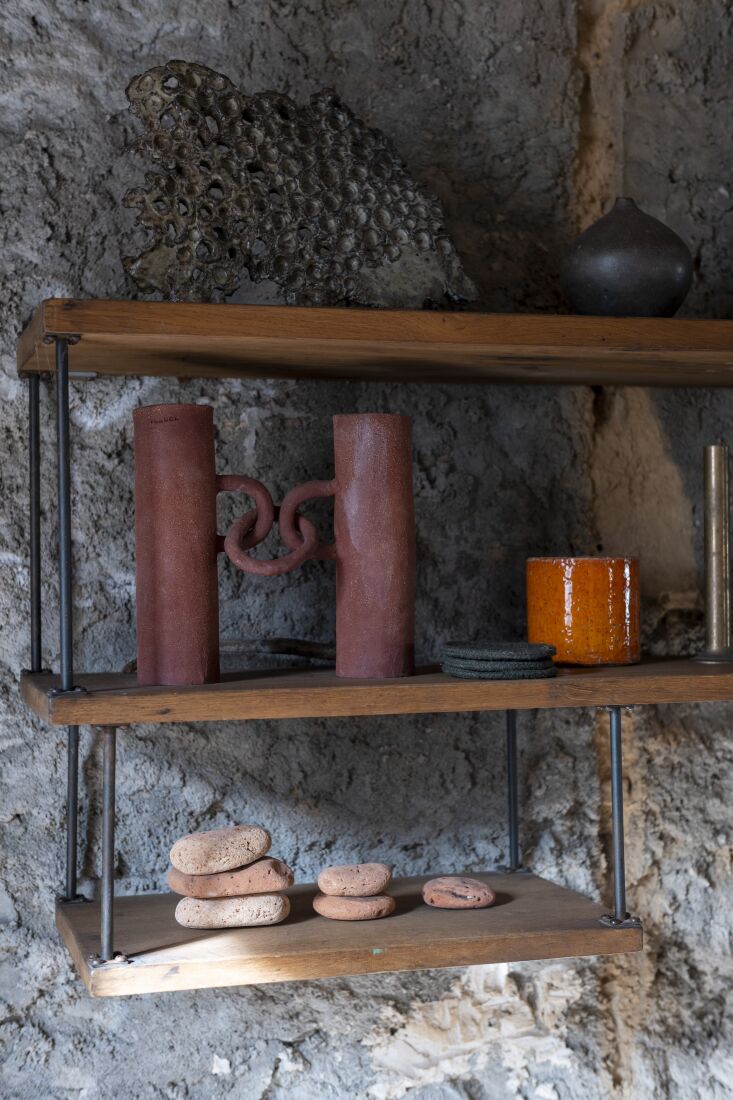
(374, 528)
(588, 608)
(176, 543)
(374, 548)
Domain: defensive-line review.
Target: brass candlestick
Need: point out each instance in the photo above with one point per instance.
(717, 556)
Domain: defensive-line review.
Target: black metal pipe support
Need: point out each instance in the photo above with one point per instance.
(106, 951)
(72, 809)
(617, 817)
(64, 507)
(34, 471)
(512, 789)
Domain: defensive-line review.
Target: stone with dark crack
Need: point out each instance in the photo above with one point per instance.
(457, 892)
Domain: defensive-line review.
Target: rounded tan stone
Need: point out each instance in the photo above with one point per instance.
(360, 880)
(220, 849)
(350, 908)
(264, 876)
(456, 892)
(232, 912)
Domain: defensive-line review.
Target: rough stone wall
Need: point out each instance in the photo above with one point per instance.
(525, 117)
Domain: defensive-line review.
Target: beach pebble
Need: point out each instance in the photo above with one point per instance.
(350, 908)
(264, 876)
(232, 912)
(360, 880)
(220, 849)
(456, 892)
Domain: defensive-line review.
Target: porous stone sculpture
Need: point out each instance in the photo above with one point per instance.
(306, 196)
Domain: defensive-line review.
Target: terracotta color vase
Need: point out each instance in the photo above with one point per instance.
(176, 543)
(588, 608)
(374, 548)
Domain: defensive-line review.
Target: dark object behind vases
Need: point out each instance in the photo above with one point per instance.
(627, 264)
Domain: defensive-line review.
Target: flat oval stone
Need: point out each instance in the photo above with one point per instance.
(232, 912)
(220, 849)
(456, 892)
(261, 877)
(361, 880)
(350, 908)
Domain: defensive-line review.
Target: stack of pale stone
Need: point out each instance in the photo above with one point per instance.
(354, 891)
(226, 879)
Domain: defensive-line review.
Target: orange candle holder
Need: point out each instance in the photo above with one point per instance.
(588, 608)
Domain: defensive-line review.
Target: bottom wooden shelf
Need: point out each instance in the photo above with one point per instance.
(532, 919)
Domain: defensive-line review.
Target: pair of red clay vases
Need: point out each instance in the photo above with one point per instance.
(177, 543)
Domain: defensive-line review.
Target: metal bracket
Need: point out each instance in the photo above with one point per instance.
(56, 693)
(504, 869)
(118, 959)
(39, 672)
(76, 900)
(52, 337)
(609, 921)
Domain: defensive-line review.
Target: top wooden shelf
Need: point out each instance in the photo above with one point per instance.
(184, 339)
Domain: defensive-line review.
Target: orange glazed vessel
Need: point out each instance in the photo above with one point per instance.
(588, 608)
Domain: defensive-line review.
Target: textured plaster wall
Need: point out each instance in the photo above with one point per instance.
(526, 118)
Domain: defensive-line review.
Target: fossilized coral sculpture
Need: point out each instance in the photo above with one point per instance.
(308, 197)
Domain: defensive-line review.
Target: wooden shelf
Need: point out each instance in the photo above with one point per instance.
(186, 339)
(115, 699)
(532, 919)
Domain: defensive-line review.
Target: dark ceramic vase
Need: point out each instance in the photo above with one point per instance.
(627, 264)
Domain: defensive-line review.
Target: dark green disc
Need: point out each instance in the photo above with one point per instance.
(499, 666)
(509, 672)
(498, 651)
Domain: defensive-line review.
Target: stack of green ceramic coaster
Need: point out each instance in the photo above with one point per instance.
(498, 660)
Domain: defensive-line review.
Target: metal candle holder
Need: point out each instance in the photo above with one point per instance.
(717, 556)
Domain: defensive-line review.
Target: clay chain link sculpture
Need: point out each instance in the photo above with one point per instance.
(177, 544)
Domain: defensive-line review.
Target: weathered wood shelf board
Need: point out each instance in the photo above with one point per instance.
(115, 699)
(185, 339)
(532, 919)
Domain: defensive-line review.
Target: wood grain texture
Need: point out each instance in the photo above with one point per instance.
(115, 699)
(187, 339)
(532, 919)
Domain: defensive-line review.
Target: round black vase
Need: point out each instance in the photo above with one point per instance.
(627, 264)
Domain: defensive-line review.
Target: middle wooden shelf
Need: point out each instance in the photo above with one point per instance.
(116, 699)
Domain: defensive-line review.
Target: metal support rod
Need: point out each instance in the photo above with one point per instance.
(717, 555)
(72, 809)
(106, 951)
(617, 818)
(512, 789)
(34, 471)
(64, 507)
